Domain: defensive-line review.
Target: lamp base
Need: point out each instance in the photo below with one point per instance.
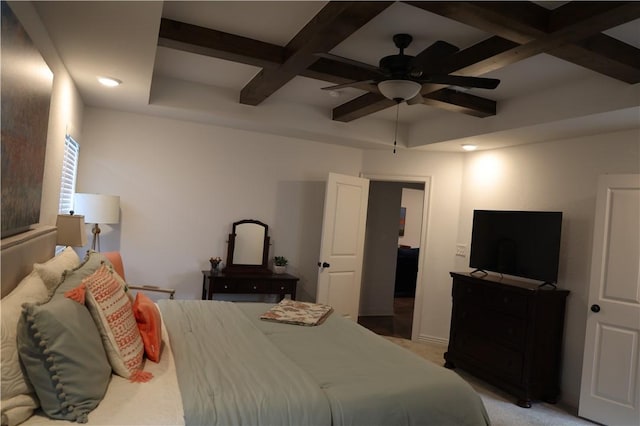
(96, 237)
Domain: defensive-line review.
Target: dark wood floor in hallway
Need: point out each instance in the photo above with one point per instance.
(398, 325)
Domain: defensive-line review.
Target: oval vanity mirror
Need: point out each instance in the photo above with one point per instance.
(248, 250)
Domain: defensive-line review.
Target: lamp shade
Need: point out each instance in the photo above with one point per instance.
(98, 208)
(71, 230)
(399, 90)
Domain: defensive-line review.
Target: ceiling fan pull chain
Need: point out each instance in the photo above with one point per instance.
(395, 135)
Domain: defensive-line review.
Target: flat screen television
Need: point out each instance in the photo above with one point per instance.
(520, 243)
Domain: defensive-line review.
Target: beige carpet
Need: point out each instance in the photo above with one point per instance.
(501, 406)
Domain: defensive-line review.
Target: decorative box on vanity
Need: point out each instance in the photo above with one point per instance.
(509, 333)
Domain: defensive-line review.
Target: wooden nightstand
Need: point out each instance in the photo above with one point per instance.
(280, 284)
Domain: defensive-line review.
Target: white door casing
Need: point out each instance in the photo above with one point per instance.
(610, 389)
(342, 243)
(420, 290)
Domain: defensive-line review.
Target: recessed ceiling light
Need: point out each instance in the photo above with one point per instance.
(469, 147)
(109, 81)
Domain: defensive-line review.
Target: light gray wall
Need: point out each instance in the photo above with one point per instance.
(381, 248)
(182, 185)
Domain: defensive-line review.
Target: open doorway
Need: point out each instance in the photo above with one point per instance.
(393, 241)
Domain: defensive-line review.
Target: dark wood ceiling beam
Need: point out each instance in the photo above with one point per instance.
(334, 23)
(613, 57)
(218, 44)
(578, 11)
(511, 20)
(569, 34)
(461, 102)
(205, 41)
(478, 52)
(337, 72)
(523, 22)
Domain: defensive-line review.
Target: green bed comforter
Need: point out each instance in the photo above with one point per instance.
(234, 368)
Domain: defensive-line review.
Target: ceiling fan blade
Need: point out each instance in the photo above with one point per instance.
(463, 81)
(356, 85)
(434, 53)
(417, 99)
(348, 61)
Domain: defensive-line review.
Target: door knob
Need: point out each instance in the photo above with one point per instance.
(595, 308)
(323, 265)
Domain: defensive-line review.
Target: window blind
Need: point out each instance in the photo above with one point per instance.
(69, 172)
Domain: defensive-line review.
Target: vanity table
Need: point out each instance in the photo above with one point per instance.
(280, 284)
(247, 269)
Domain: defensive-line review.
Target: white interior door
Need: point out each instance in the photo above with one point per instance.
(342, 244)
(610, 390)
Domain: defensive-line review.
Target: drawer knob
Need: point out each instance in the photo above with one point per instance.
(282, 288)
(226, 286)
(255, 287)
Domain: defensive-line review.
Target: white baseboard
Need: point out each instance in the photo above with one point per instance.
(433, 339)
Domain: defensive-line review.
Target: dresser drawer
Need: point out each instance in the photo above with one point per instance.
(502, 361)
(492, 326)
(255, 286)
(508, 302)
(464, 292)
(282, 287)
(227, 287)
(277, 284)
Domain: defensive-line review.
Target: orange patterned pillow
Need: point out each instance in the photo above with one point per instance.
(112, 312)
(150, 325)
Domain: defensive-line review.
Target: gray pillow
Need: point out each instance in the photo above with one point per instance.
(73, 278)
(61, 350)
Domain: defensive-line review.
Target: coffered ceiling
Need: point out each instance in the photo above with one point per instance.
(566, 68)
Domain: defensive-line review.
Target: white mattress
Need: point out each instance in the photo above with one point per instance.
(157, 402)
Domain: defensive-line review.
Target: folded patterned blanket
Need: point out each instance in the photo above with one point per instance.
(298, 313)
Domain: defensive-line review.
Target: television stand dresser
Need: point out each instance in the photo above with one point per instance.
(508, 333)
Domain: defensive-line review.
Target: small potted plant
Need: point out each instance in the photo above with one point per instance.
(279, 264)
(215, 262)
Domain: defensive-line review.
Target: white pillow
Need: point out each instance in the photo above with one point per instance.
(18, 397)
(51, 271)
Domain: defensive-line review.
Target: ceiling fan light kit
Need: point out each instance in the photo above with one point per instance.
(399, 90)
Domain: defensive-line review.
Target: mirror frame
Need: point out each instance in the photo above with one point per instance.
(233, 268)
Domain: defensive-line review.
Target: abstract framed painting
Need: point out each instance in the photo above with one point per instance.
(403, 219)
(26, 95)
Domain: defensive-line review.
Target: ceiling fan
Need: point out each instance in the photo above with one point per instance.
(400, 77)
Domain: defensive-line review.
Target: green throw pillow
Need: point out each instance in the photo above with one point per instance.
(72, 278)
(61, 350)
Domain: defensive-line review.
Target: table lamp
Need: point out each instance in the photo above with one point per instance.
(97, 209)
(71, 230)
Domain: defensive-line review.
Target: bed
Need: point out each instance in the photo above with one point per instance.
(221, 364)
